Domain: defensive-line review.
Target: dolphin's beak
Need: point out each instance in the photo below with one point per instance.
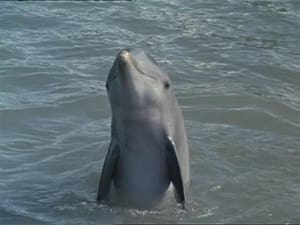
(124, 57)
(127, 60)
(124, 54)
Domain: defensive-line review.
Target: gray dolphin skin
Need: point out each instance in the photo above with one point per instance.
(148, 152)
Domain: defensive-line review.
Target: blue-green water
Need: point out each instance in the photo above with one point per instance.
(236, 72)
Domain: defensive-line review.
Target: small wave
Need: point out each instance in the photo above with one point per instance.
(14, 214)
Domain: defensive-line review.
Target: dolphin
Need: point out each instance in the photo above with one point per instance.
(148, 153)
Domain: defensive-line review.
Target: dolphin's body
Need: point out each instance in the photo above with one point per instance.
(148, 151)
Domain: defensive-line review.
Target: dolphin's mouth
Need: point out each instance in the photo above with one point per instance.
(126, 58)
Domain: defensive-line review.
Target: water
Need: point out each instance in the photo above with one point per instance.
(236, 73)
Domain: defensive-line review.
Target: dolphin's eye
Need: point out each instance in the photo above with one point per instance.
(166, 85)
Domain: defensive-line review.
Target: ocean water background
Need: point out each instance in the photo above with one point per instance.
(235, 68)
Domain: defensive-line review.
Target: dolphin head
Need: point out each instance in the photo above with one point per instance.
(135, 81)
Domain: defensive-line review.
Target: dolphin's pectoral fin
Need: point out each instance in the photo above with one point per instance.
(108, 170)
(174, 171)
